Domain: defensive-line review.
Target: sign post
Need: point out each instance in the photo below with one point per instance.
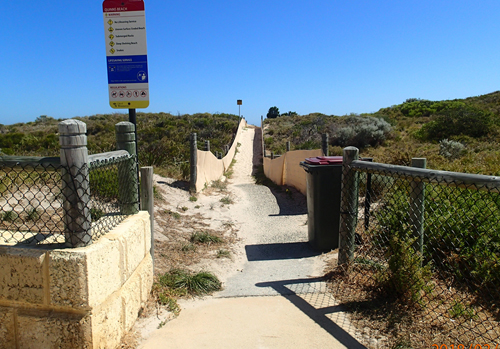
(126, 57)
(126, 53)
(239, 102)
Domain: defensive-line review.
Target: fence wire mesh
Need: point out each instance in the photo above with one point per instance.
(423, 261)
(52, 204)
(113, 192)
(31, 203)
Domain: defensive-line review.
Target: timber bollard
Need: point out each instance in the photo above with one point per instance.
(417, 206)
(324, 144)
(75, 184)
(348, 206)
(147, 201)
(193, 162)
(128, 189)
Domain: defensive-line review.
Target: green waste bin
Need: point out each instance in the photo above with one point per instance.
(324, 179)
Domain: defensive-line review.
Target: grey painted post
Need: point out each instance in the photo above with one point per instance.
(417, 206)
(193, 162)
(75, 185)
(207, 145)
(288, 146)
(324, 144)
(348, 206)
(127, 171)
(147, 202)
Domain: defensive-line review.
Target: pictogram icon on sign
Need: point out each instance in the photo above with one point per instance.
(112, 51)
(110, 22)
(111, 44)
(136, 93)
(111, 36)
(129, 94)
(122, 94)
(143, 94)
(114, 94)
(110, 29)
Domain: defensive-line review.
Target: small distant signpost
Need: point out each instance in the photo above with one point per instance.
(239, 102)
(126, 53)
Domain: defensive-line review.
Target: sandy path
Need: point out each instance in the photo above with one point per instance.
(272, 264)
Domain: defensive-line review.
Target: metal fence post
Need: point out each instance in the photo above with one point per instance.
(348, 206)
(324, 144)
(207, 145)
(417, 206)
(75, 186)
(147, 201)
(288, 146)
(128, 190)
(193, 162)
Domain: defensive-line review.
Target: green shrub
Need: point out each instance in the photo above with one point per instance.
(459, 120)
(10, 216)
(33, 215)
(205, 237)
(227, 200)
(195, 284)
(461, 233)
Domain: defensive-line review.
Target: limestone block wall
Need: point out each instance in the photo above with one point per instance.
(209, 168)
(286, 169)
(86, 297)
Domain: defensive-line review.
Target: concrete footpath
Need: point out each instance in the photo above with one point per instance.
(277, 298)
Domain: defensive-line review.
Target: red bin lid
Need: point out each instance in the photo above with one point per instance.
(325, 160)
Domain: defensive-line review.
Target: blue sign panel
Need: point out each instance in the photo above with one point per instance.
(127, 69)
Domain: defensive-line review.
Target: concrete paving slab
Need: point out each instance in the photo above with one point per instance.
(250, 322)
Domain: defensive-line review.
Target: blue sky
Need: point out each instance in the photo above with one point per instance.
(334, 57)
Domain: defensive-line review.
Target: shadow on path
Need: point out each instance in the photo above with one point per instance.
(281, 251)
(315, 307)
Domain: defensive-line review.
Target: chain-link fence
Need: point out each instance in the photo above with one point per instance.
(31, 203)
(419, 257)
(47, 203)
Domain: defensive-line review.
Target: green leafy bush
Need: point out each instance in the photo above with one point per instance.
(459, 120)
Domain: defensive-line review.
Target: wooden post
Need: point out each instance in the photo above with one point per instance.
(324, 144)
(128, 182)
(75, 185)
(368, 195)
(207, 145)
(417, 206)
(288, 146)
(262, 136)
(348, 206)
(219, 155)
(193, 162)
(272, 155)
(147, 202)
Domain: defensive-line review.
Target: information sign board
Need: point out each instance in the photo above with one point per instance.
(126, 53)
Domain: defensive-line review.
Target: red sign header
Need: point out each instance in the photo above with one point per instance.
(122, 5)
